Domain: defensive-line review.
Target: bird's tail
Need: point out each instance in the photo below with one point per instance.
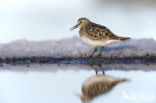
(124, 38)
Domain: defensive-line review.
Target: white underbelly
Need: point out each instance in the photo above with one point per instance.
(98, 43)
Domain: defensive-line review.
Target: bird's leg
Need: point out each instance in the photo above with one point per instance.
(100, 66)
(103, 72)
(96, 72)
(100, 52)
(93, 66)
(95, 49)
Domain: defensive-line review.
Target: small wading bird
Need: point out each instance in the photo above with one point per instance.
(96, 35)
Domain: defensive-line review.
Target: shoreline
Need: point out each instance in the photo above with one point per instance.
(79, 60)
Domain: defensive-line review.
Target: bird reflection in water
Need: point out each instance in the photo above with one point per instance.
(98, 85)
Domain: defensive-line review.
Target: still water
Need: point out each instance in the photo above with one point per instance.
(63, 83)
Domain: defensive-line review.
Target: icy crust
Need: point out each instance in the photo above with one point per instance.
(75, 48)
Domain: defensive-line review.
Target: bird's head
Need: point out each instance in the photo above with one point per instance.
(81, 23)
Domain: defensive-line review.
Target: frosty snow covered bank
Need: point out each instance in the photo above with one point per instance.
(74, 48)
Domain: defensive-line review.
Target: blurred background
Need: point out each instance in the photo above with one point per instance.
(39, 20)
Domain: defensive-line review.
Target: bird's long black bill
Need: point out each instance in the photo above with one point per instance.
(74, 27)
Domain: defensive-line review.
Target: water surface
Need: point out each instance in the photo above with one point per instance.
(55, 83)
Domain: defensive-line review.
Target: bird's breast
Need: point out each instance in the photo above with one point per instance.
(97, 42)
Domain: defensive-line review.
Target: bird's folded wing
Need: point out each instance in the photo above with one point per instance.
(99, 32)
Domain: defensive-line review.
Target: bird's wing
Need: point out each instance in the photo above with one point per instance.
(99, 32)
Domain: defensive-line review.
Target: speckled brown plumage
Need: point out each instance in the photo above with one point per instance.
(98, 32)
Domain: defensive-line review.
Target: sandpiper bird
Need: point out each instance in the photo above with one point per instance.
(96, 35)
